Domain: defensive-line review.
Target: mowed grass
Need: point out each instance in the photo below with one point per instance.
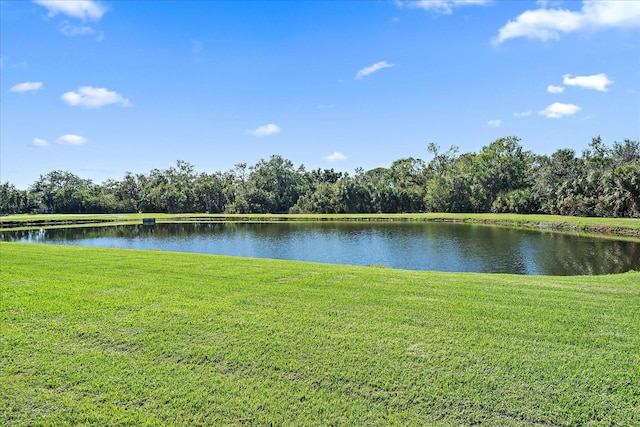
(115, 337)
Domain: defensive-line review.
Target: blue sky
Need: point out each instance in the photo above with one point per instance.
(99, 88)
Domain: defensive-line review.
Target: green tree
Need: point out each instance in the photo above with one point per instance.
(10, 199)
(407, 178)
(500, 167)
(448, 181)
(211, 192)
(272, 186)
(62, 192)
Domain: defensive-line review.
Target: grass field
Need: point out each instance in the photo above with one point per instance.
(115, 337)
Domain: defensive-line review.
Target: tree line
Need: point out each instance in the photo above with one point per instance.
(502, 177)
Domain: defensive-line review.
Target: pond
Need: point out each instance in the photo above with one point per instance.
(452, 247)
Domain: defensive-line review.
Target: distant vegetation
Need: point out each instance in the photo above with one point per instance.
(603, 181)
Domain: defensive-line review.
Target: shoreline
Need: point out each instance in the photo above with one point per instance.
(605, 227)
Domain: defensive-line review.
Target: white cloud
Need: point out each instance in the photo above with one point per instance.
(523, 114)
(71, 139)
(443, 6)
(542, 24)
(26, 87)
(494, 123)
(596, 81)
(555, 89)
(336, 156)
(94, 97)
(610, 13)
(81, 9)
(76, 30)
(266, 130)
(546, 24)
(558, 110)
(39, 142)
(373, 68)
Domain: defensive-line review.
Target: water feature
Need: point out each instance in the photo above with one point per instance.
(405, 245)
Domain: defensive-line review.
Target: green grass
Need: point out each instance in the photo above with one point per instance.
(114, 337)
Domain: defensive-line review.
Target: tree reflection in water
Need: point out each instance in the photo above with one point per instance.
(414, 246)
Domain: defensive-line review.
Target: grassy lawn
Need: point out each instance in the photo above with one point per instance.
(115, 337)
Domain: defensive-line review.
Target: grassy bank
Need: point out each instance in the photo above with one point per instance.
(116, 337)
(628, 227)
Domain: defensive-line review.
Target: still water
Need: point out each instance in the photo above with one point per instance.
(411, 246)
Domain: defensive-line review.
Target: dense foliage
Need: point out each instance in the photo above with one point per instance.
(502, 177)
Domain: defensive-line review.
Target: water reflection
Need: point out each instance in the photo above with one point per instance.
(415, 246)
